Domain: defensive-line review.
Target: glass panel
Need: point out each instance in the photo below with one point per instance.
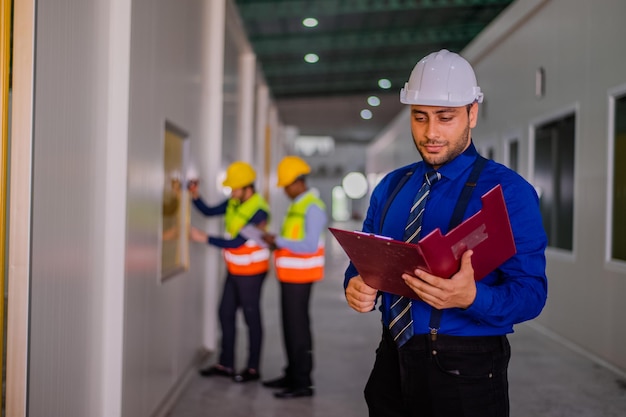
(554, 177)
(340, 205)
(618, 244)
(514, 155)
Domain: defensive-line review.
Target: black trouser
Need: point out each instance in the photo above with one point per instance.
(241, 291)
(297, 333)
(455, 376)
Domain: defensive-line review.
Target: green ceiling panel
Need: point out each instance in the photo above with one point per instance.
(358, 41)
(255, 10)
(364, 39)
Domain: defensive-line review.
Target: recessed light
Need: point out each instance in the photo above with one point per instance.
(384, 83)
(311, 58)
(373, 101)
(310, 22)
(366, 114)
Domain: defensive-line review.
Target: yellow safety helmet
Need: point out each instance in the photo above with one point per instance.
(239, 174)
(290, 168)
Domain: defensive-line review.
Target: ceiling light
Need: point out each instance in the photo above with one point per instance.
(310, 22)
(311, 58)
(366, 114)
(384, 83)
(373, 101)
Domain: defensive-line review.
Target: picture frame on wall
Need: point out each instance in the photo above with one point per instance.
(175, 219)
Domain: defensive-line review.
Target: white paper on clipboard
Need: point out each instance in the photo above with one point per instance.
(250, 231)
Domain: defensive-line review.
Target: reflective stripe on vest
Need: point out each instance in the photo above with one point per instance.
(248, 259)
(299, 268)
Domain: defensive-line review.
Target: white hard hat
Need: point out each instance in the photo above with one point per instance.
(441, 79)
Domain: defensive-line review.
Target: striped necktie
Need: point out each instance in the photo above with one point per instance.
(401, 324)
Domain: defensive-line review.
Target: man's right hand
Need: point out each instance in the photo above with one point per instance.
(360, 296)
(192, 186)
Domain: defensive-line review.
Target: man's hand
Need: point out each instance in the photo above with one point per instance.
(458, 291)
(360, 296)
(198, 235)
(192, 186)
(270, 239)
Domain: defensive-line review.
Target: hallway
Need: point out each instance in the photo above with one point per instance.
(546, 378)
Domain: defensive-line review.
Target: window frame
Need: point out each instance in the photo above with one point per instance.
(565, 111)
(613, 95)
(513, 136)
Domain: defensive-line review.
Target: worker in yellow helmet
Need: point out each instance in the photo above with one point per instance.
(247, 263)
(299, 262)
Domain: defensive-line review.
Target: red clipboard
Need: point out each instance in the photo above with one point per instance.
(381, 261)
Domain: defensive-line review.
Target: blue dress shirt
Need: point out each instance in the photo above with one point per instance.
(514, 292)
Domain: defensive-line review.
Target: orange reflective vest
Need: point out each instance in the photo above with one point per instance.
(294, 267)
(249, 258)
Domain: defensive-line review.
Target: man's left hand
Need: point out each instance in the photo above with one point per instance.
(270, 239)
(457, 291)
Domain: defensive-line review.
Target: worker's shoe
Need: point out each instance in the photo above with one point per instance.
(281, 382)
(216, 370)
(294, 393)
(247, 375)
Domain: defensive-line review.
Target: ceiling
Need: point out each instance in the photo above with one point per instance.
(358, 42)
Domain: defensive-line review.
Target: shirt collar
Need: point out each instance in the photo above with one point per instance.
(451, 170)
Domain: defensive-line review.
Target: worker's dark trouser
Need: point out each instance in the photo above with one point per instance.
(297, 333)
(241, 291)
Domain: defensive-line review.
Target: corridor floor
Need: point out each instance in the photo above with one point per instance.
(547, 379)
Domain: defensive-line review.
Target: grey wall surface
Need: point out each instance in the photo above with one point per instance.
(66, 353)
(163, 323)
(94, 352)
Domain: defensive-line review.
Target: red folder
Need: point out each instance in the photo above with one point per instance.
(381, 260)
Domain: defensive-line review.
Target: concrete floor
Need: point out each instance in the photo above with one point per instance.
(546, 378)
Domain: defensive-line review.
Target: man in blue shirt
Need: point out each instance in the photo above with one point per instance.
(456, 358)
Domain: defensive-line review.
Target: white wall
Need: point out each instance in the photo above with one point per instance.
(106, 337)
(578, 43)
(75, 228)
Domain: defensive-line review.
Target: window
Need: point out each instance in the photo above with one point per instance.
(554, 178)
(340, 205)
(618, 241)
(514, 155)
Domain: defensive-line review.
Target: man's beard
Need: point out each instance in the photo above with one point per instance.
(442, 159)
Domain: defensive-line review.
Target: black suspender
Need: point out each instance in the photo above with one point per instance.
(466, 193)
(393, 194)
(455, 220)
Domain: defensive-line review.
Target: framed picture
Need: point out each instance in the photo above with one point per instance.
(175, 204)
